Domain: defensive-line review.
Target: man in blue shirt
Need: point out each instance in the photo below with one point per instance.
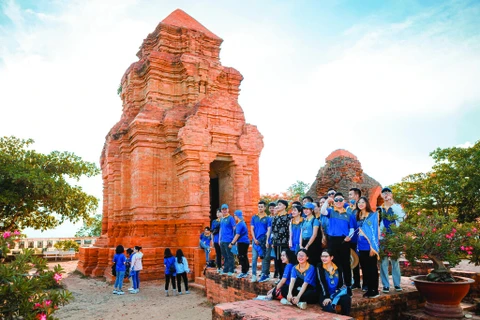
(340, 223)
(205, 239)
(259, 226)
(391, 214)
(227, 229)
(242, 242)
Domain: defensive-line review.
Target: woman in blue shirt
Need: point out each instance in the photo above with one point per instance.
(242, 242)
(302, 288)
(281, 289)
(311, 237)
(368, 246)
(295, 228)
(170, 271)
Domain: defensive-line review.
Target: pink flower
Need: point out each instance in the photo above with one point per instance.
(454, 230)
(42, 316)
(16, 232)
(48, 302)
(407, 263)
(6, 234)
(439, 244)
(448, 236)
(383, 234)
(454, 220)
(57, 277)
(37, 305)
(419, 213)
(469, 252)
(469, 234)
(462, 248)
(474, 230)
(389, 254)
(434, 229)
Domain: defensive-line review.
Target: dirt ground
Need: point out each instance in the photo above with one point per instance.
(93, 299)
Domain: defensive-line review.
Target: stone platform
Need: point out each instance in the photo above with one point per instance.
(269, 310)
(224, 290)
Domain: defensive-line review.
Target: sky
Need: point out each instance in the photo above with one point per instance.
(389, 81)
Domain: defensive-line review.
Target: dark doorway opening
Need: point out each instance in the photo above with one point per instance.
(214, 198)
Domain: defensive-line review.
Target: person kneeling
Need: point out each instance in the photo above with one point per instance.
(302, 288)
(331, 285)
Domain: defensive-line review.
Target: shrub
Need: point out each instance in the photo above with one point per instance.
(66, 245)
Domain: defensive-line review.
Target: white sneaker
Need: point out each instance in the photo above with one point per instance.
(302, 305)
(120, 292)
(254, 278)
(180, 293)
(115, 292)
(130, 289)
(187, 292)
(285, 302)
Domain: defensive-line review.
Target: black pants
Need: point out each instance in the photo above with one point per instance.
(179, 281)
(356, 270)
(345, 303)
(279, 266)
(369, 271)
(341, 256)
(243, 256)
(218, 255)
(310, 295)
(169, 277)
(315, 250)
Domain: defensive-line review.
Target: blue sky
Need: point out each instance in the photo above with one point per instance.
(389, 81)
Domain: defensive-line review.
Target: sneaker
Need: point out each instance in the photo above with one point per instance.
(365, 288)
(386, 290)
(166, 293)
(285, 302)
(242, 275)
(302, 305)
(355, 287)
(254, 278)
(187, 292)
(130, 289)
(230, 274)
(134, 291)
(398, 288)
(174, 292)
(371, 295)
(115, 292)
(180, 293)
(120, 292)
(264, 278)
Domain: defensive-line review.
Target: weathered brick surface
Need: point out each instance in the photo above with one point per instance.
(181, 126)
(342, 172)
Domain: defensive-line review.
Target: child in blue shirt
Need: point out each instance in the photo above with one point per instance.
(205, 239)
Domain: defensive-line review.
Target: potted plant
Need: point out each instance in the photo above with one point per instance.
(439, 238)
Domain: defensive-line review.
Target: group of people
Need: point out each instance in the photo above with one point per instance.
(127, 267)
(310, 244)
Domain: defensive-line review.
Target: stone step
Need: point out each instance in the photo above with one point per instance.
(468, 309)
(269, 310)
(200, 280)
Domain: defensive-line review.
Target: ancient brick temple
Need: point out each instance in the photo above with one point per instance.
(342, 172)
(180, 149)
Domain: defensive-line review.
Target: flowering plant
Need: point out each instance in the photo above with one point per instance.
(29, 289)
(435, 237)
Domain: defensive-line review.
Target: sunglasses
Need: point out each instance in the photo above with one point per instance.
(331, 193)
(338, 199)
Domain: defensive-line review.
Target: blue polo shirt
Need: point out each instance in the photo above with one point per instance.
(332, 279)
(260, 226)
(205, 239)
(307, 276)
(307, 227)
(339, 223)
(287, 273)
(227, 225)
(215, 224)
(296, 228)
(242, 230)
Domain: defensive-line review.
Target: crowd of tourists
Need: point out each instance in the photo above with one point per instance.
(310, 243)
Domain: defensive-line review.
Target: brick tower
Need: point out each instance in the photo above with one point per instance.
(181, 148)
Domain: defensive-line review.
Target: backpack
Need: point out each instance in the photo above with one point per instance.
(172, 269)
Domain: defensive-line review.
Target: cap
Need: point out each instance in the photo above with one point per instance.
(224, 206)
(239, 213)
(309, 205)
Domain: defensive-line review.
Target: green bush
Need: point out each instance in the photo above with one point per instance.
(66, 245)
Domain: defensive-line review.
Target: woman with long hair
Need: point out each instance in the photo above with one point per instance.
(311, 236)
(181, 265)
(119, 259)
(295, 228)
(290, 260)
(368, 246)
(170, 271)
(136, 268)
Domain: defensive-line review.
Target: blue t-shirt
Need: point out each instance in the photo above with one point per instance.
(205, 239)
(287, 272)
(215, 225)
(332, 279)
(120, 259)
(242, 230)
(307, 276)
(169, 262)
(296, 228)
(307, 227)
(339, 223)
(227, 225)
(260, 226)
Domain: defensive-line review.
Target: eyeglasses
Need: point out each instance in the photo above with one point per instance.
(331, 193)
(338, 199)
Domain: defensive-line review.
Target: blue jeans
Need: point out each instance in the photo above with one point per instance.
(227, 256)
(395, 272)
(206, 249)
(136, 279)
(265, 261)
(119, 279)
